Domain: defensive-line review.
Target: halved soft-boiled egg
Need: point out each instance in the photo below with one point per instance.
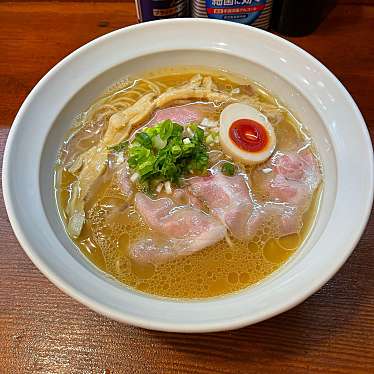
(246, 134)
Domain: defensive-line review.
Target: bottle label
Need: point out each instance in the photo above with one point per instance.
(242, 11)
(148, 10)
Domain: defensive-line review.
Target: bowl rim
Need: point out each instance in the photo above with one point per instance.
(166, 326)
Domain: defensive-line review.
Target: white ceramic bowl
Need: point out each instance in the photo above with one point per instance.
(315, 96)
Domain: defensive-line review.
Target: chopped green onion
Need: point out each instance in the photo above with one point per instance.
(143, 139)
(158, 143)
(120, 147)
(168, 187)
(209, 139)
(159, 187)
(228, 169)
(161, 154)
(190, 132)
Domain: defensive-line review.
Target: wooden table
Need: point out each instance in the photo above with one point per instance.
(44, 331)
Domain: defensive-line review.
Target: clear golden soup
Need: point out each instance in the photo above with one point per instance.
(214, 271)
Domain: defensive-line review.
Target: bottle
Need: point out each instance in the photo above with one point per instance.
(149, 10)
(299, 18)
(249, 12)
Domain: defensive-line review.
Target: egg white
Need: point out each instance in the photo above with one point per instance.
(234, 112)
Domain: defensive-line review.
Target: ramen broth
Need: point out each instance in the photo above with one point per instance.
(112, 222)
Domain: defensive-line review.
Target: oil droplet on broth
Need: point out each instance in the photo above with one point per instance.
(233, 277)
(273, 252)
(123, 244)
(187, 268)
(217, 286)
(228, 256)
(253, 247)
(142, 271)
(289, 242)
(120, 217)
(142, 286)
(244, 278)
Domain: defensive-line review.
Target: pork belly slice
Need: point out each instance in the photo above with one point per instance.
(177, 230)
(183, 114)
(289, 181)
(290, 185)
(293, 178)
(229, 199)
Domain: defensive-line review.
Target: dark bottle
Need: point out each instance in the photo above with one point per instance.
(297, 17)
(149, 10)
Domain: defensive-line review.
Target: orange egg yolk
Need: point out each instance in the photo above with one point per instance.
(248, 135)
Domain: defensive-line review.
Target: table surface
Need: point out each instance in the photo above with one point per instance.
(44, 331)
